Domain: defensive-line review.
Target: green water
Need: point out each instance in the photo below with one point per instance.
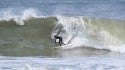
(34, 38)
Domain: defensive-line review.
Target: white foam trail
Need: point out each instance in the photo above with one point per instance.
(88, 35)
(19, 18)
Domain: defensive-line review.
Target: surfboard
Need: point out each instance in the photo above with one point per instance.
(67, 46)
(60, 46)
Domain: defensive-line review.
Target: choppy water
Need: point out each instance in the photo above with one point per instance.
(38, 63)
(93, 31)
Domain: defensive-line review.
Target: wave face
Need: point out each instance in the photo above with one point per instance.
(35, 37)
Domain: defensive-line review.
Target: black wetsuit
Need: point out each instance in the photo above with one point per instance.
(60, 39)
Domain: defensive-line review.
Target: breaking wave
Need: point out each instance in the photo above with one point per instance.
(77, 31)
(90, 32)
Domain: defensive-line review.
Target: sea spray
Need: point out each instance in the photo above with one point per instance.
(87, 34)
(25, 14)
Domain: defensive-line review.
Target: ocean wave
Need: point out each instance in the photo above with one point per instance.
(77, 31)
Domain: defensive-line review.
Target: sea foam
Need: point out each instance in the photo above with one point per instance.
(83, 32)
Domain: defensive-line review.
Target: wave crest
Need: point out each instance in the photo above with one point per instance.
(20, 16)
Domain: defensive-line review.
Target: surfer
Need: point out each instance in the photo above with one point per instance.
(59, 37)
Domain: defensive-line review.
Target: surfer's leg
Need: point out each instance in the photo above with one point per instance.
(60, 43)
(63, 43)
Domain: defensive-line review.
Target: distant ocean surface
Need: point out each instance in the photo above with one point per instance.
(96, 8)
(93, 31)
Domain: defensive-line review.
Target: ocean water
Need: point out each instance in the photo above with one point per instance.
(93, 31)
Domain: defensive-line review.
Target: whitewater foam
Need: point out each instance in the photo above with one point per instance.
(34, 63)
(84, 33)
